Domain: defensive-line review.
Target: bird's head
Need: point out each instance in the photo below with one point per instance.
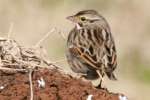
(85, 18)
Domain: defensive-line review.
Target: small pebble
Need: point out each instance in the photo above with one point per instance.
(121, 97)
(1, 87)
(41, 83)
(89, 97)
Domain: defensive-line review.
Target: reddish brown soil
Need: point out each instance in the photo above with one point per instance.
(58, 87)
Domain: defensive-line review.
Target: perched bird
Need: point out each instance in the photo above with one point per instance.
(90, 46)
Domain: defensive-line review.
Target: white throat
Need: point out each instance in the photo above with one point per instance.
(78, 26)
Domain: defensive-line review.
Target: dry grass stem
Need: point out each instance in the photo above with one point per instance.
(10, 30)
(12, 69)
(45, 36)
(62, 35)
(60, 60)
(31, 85)
(17, 58)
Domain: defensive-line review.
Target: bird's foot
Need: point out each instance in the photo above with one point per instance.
(101, 87)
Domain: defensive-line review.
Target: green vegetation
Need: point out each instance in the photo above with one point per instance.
(145, 75)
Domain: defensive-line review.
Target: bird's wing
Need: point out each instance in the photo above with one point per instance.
(110, 54)
(76, 51)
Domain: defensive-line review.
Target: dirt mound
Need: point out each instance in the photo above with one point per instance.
(57, 87)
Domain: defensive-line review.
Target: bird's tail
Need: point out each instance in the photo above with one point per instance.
(111, 76)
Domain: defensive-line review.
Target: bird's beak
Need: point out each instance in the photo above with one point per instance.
(71, 18)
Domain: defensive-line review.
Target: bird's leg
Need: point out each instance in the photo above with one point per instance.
(100, 84)
(101, 80)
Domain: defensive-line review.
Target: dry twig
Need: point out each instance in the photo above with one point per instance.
(12, 69)
(62, 35)
(17, 58)
(10, 30)
(31, 85)
(45, 36)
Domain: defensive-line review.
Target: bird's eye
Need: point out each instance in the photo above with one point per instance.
(83, 18)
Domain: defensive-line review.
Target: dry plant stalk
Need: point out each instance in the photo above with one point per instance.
(31, 86)
(17, 58)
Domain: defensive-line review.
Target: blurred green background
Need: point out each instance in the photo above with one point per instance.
(130, 25)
